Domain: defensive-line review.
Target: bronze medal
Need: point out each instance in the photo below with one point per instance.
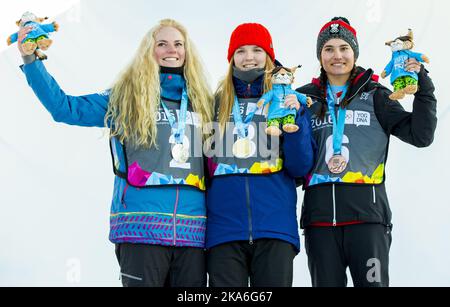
(337, 164)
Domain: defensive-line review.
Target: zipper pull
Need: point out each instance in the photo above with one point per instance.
(374, 196)
(334, 206)
(249, 91)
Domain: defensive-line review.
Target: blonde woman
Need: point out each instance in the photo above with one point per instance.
(252, 231)
(155, 112)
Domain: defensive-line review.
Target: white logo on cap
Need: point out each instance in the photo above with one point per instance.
(334, 28)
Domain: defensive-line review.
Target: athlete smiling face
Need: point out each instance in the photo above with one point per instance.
(170, 48)
(249, 57)
(338, 60)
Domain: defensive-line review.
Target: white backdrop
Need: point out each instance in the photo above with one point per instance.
(56, 181)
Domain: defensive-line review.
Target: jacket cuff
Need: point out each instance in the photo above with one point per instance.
(28, 59)
(300, 114)
(425, 83)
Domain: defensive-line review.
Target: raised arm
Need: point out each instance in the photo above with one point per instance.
(417, 127)
(87, 110)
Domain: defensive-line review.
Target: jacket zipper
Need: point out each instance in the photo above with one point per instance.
(175, 218)
(123, 196)
(247, 190)
(360, 88)
(374, 196)
(334, 187)
(334, 206)
(249, 91)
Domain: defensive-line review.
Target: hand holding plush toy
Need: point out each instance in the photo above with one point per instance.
(38, 38)
(279, 113)
(404, 82)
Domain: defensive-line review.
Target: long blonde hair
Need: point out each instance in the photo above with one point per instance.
(135, 97)
(225, 93)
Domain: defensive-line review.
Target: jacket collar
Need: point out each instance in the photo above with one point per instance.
(172, 84)
(360, 82)
(248, 84)
(248, 76)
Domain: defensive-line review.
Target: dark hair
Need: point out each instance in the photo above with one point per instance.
(323, 89)
(341, 18)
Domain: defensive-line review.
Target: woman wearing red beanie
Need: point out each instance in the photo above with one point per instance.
(346, 214)
(252, 230)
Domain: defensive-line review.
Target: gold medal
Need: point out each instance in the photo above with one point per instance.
(180, 153)
(242, 148)
(337, 164)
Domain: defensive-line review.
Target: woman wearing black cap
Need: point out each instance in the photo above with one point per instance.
(346, 214)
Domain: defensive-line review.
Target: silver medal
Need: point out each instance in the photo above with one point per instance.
(180, 153)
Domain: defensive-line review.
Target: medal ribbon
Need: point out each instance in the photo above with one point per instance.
(179, 128)
(338, 123)
(242, 125)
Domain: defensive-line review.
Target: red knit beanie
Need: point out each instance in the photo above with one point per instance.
(251, 34)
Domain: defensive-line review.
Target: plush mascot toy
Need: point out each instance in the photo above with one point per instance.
(281, 78)
(38, 38)
(404, 82)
